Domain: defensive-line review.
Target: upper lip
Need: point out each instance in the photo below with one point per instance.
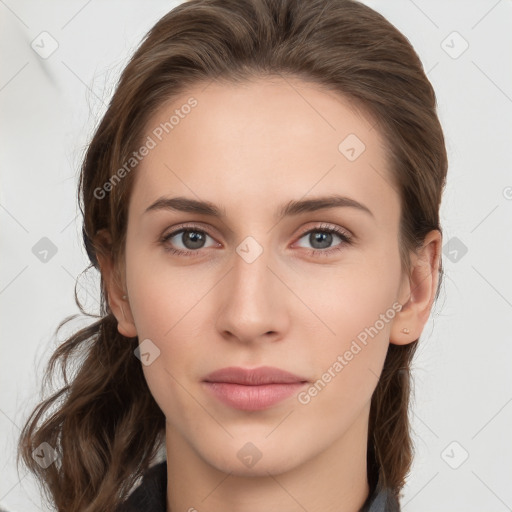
(254, 376)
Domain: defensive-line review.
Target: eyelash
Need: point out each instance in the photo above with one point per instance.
(346, 240)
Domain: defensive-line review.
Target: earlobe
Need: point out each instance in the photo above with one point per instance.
(418, 292)
(116, 297)
(126, 325)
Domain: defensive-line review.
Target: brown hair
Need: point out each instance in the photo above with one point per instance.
(106, 426)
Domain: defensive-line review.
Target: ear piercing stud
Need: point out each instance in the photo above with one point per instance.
(405, 330)
(124, 297)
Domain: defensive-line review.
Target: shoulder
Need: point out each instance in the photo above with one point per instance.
(151, 494)
(381, 500)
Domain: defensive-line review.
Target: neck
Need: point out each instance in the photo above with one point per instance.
(335, 480)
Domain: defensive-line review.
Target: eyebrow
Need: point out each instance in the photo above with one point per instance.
(291, 208)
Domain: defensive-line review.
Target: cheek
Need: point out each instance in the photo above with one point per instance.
(161, 295)
(348, 361)
(166, 311)
(357, 307)
(168, 306)
(349, 298)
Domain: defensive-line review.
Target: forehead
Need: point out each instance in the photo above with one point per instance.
(258, 143)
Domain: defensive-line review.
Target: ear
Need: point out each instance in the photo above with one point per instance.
(115, 286)
(418, 290)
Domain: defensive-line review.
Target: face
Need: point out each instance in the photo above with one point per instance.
(314, 292)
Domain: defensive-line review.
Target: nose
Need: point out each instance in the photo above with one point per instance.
(253, 303)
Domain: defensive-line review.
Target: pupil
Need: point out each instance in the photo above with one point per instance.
(326, 238)
(192, 239)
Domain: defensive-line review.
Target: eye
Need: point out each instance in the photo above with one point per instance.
(321, 239)
(190, 238)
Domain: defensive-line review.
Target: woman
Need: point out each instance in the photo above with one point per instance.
(262, 201)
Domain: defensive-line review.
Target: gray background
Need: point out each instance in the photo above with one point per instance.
(49, 105)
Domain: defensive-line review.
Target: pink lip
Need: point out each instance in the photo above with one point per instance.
(255, 389)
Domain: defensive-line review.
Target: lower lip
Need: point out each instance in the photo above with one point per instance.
(253, 398)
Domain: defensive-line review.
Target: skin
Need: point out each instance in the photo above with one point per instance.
(249, 149)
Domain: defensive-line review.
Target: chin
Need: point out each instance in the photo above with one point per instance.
(261, 469)
(244, 458)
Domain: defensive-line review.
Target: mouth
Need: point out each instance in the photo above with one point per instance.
(253, 389)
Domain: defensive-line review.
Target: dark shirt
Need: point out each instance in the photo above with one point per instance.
(151, 495)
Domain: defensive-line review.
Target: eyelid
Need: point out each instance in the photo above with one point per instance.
(303, 232)
(188, 226)
(329, 227)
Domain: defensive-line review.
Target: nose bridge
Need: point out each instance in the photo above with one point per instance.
(251, 275)
(250, 304)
